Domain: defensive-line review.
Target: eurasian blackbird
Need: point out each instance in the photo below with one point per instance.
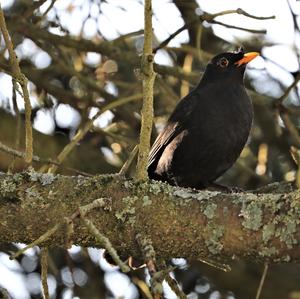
(209, 127)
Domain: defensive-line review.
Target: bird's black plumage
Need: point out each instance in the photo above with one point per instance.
(209, 127)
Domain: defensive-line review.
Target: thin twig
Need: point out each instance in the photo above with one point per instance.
(157, 279)
(143, 287)
(123, 37)
(22, 80)
(210, 19)
(262, 280)
(44, 272)
(18, 122)
(103, 202)
(33, 7)
(217, 265)
(170, 37)
(106, 244)
(15, 153)
(146, 247)
(82, 211)
(175, 287)
(129, 161)
(295, 139)
(187, 67)
(240, 12)
(262, 31)
(38, 241)
(148, 84)
(49, 7)
(291, 128)
(288, 90)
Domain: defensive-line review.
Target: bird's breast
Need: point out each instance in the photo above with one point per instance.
(216, 134)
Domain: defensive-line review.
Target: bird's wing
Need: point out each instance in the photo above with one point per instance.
(176, 124)
(163, 139)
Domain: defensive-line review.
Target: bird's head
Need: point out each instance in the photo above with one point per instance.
(229, 65)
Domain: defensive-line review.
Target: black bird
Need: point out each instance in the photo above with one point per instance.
(209, 127)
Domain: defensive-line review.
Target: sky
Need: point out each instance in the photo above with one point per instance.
(123, 16)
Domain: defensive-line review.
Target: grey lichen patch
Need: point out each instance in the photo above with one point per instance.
(243, 198)
(98, 181)
(286, 233)
(294, 211)
(204, 195)
(268, 232)
(156, 187)
(9, 185)
(128, 184)
(83, 183)
(144, 187)
(209, 211)
(276, 188)
(286, 258)
(213, 242)
(295, 195)
(43, 178)
(187, 193)
(273, 202)
(146, 201)
(31, 193)
(268, 251)
(252, 214)
(46, 179)
(127, 214)
(81, 180)
(183, 193)
(33, 198)
(104, 179)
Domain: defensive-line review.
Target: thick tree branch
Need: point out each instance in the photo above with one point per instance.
(262, 226)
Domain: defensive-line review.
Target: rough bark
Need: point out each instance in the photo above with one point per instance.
(256, 226)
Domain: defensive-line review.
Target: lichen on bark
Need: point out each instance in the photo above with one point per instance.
(180, 222)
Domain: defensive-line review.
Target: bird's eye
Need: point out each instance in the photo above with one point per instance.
(223, 62)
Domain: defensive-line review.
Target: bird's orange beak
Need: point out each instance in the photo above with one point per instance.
(247, 58)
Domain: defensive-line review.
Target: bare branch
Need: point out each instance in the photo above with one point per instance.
(263, 31)
(35, 158)
(44, 272)
(288, 90)
(22, 80)
(237, 11)
(210, 19)
(262, 281)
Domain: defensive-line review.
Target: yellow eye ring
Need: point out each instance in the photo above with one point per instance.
(223, 62)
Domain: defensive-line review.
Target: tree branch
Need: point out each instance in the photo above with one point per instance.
(22, 80)
(148, 84)
(261, 226)
(262, 31)
(237, 11)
